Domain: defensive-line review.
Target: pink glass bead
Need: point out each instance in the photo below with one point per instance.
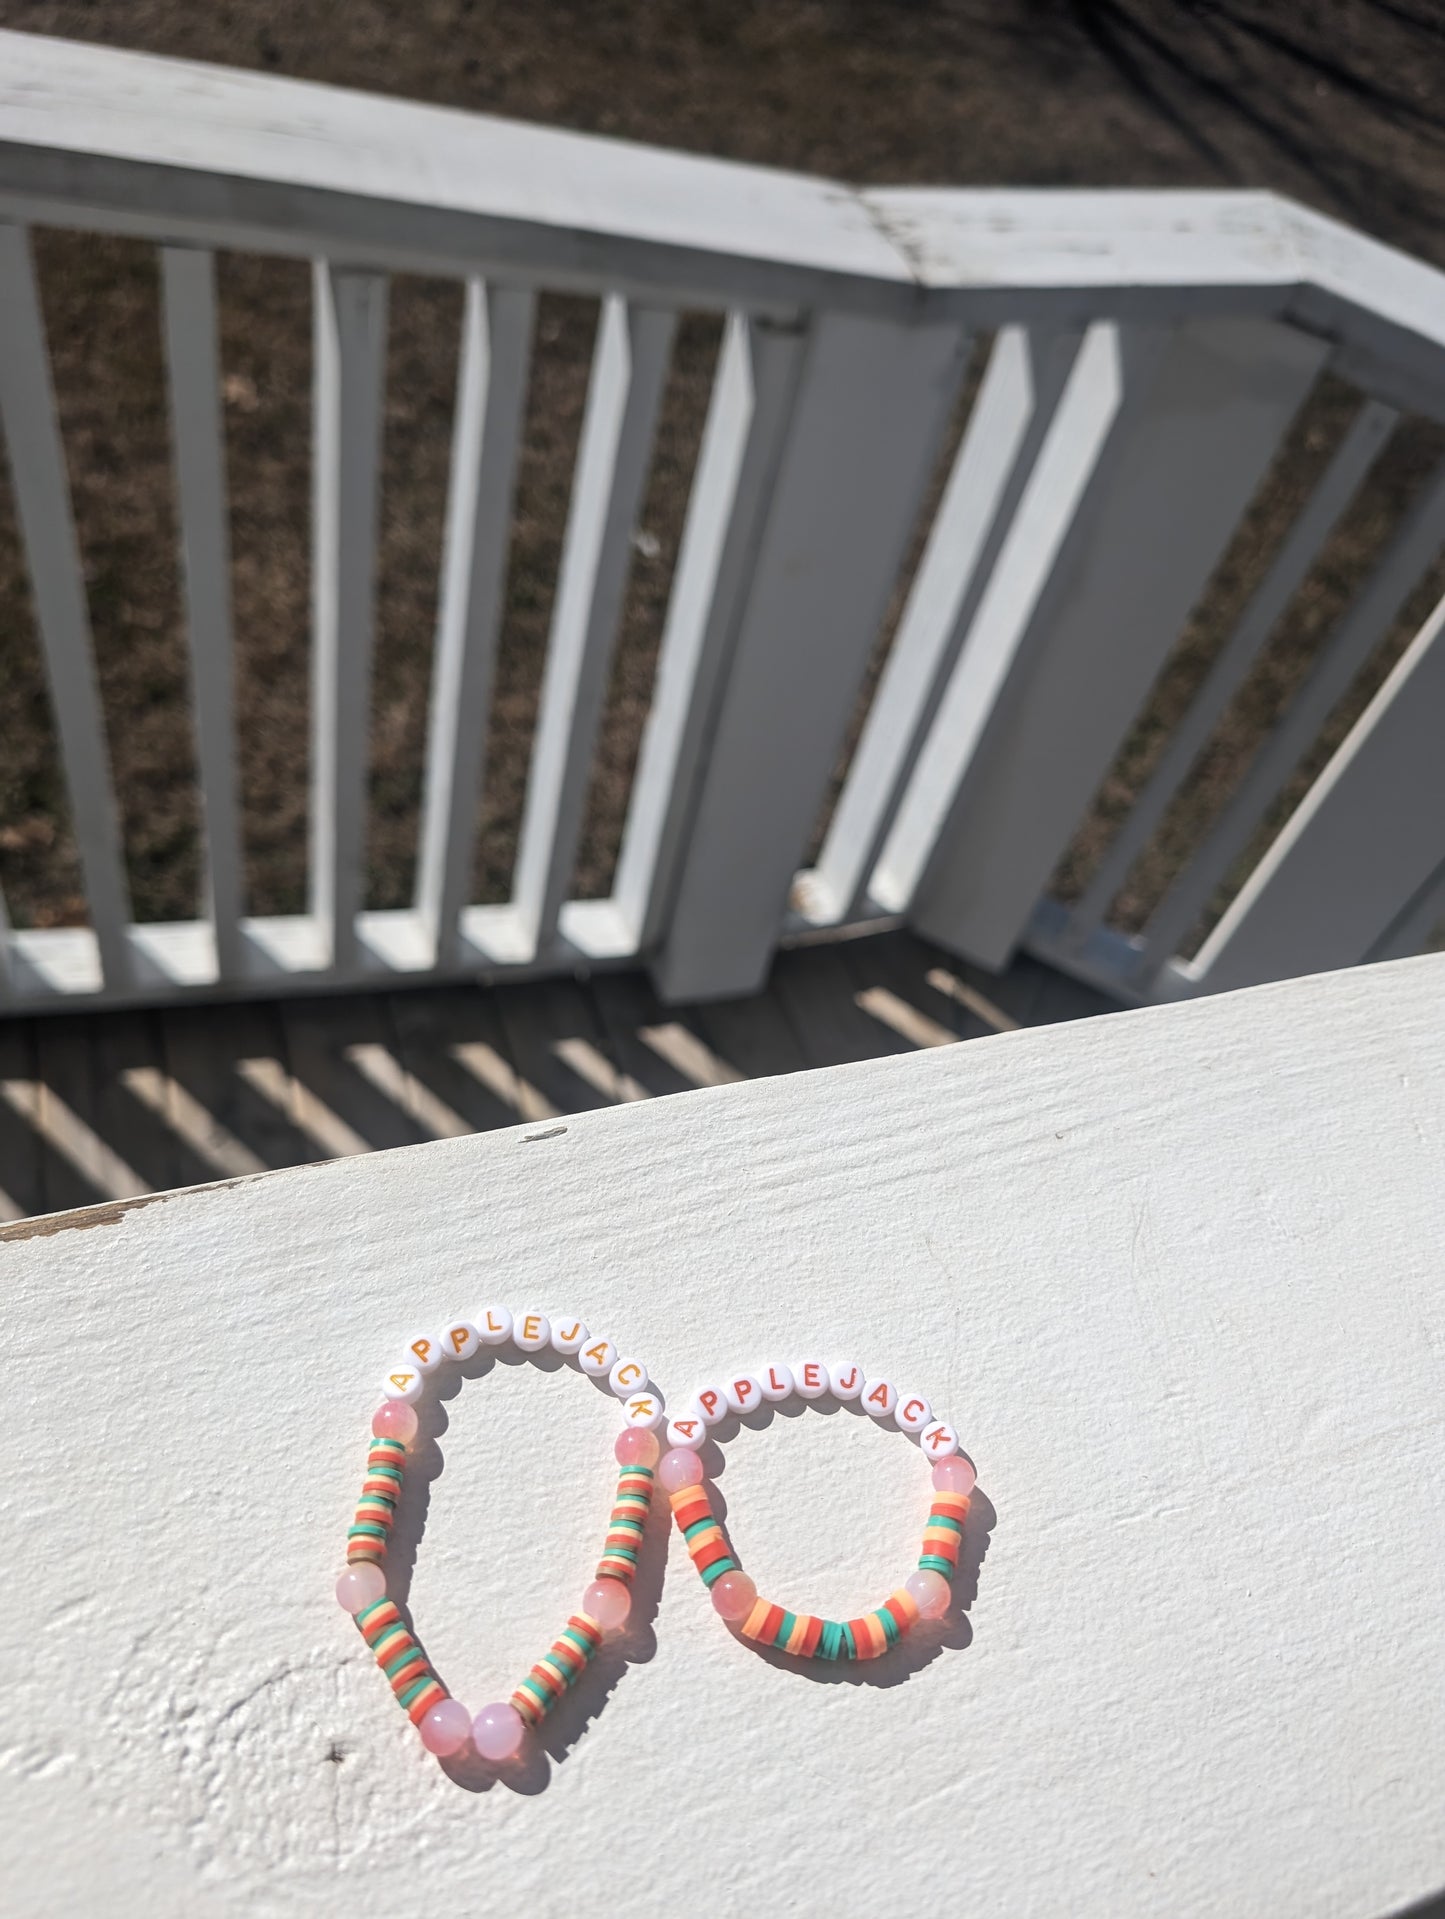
(446, 1728)
(608, 1602)
(680, 1467)
(395, 1420)
(637, 1447)
(932, 1592)
(954, 1475)
(734, 1596)
(497, 1732)
(360, 1586)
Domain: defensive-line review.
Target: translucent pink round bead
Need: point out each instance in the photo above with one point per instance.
(932, 1592)
(954, 1475)
(497, 1733)
(637, 1447)
(446, 1728)
(394, 1419)
(680, 1467)
(608, 1602)
(360, 1586)
(734, 1596)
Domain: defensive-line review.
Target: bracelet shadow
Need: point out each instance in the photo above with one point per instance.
(550, 1744)
(930, 1638)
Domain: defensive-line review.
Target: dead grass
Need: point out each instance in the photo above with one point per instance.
(1333, 104)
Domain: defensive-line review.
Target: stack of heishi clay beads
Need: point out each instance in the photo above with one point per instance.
(497, 1731)
(924, 1594)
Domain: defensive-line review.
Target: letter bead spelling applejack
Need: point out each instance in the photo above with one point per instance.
(497, 1732)
(924, 1594)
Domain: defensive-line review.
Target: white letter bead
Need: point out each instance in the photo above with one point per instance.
(745, 1393)
(712, 1403)
(938, 1441)
(810, 1379)
(598, 1358)
(405, 1383)
(461, 1339)
(777, 1382)
(568, 1336)
(880, 1396)
(913, 1413)
(426, 1351)
(627, 1376)
(531, 1332)
(688, 1429)
(644, 1409)
(845, 1382)
(494, 1323)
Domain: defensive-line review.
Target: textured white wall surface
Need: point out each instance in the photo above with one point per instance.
(1177, 1274)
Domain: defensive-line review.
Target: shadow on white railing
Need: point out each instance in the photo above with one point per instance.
(1149, 353)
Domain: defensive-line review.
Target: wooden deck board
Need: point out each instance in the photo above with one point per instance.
(107, 1105)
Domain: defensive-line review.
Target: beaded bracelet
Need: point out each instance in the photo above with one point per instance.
(923, 1595)
(443, 1722)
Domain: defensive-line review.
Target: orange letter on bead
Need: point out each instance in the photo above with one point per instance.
(531, 1326)
(422, 1349)
(560, 1334)
(494, 1325)
(640, 1408)
(401, 1380)
(627, 1374)
(459, 1335)
(598, 1352)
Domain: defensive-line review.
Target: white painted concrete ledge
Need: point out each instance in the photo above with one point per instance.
(1177, 1274)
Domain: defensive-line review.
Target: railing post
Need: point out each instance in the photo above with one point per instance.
(1081, 621)
(752, 399)
(872, 404)
(350, 368)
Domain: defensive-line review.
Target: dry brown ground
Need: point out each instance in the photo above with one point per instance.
(1337, 103)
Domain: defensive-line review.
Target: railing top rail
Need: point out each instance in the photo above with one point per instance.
(179, 150)
(233, 153)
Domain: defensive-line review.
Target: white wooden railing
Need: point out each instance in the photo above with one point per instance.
(1149, 352)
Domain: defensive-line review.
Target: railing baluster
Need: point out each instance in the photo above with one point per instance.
(1027, 371)
(193, 368)
(1047, 506)
(873, 401)
(1367, 837)
(350, 369)
(491, 399)
(628, 369)
(751, 401)
(1299, 550)
(1415, 544)
(1079, 625)
(42, 497)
